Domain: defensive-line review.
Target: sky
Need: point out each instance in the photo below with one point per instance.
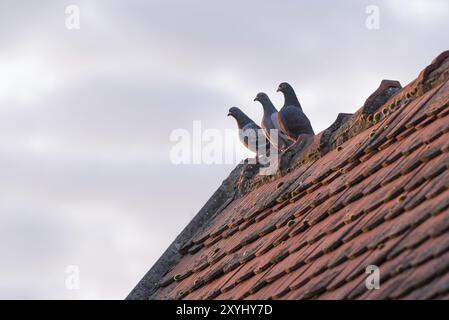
(89, 195)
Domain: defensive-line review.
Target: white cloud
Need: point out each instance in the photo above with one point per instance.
(425, 11)
(25, 78)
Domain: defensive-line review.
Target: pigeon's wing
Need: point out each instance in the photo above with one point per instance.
(266, 134)
(265, 124)
(249, 136)
(251, 126)
(271, 123)
(282, 122)
(263, 143)
(274, 120)
(294, 122)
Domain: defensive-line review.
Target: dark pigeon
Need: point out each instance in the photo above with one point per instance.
(270, 122)
(249, 132)
(292, 120)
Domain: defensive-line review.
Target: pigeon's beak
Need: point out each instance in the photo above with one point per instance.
(279, 89)
(255, 99)
(229, 114)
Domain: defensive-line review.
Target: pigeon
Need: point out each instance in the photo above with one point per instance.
(270, 121)
(292, 120)
(249, 133)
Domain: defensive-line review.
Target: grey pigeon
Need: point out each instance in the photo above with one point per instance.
(292, 120)
(270, 121)
(249, 132)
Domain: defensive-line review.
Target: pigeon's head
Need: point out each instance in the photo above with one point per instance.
(234, 111)
(262, 97)
(241, 118)
(284, 87)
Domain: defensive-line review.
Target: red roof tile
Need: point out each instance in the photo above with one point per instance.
(371, 190)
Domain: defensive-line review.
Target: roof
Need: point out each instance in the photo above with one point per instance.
(372, 189)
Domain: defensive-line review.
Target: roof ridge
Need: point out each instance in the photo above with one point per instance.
(387, 98)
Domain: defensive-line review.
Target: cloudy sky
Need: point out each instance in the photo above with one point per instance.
(85, 115)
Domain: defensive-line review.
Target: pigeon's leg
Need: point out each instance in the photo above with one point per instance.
(258, 160)
(287, 148)
(294, 146)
